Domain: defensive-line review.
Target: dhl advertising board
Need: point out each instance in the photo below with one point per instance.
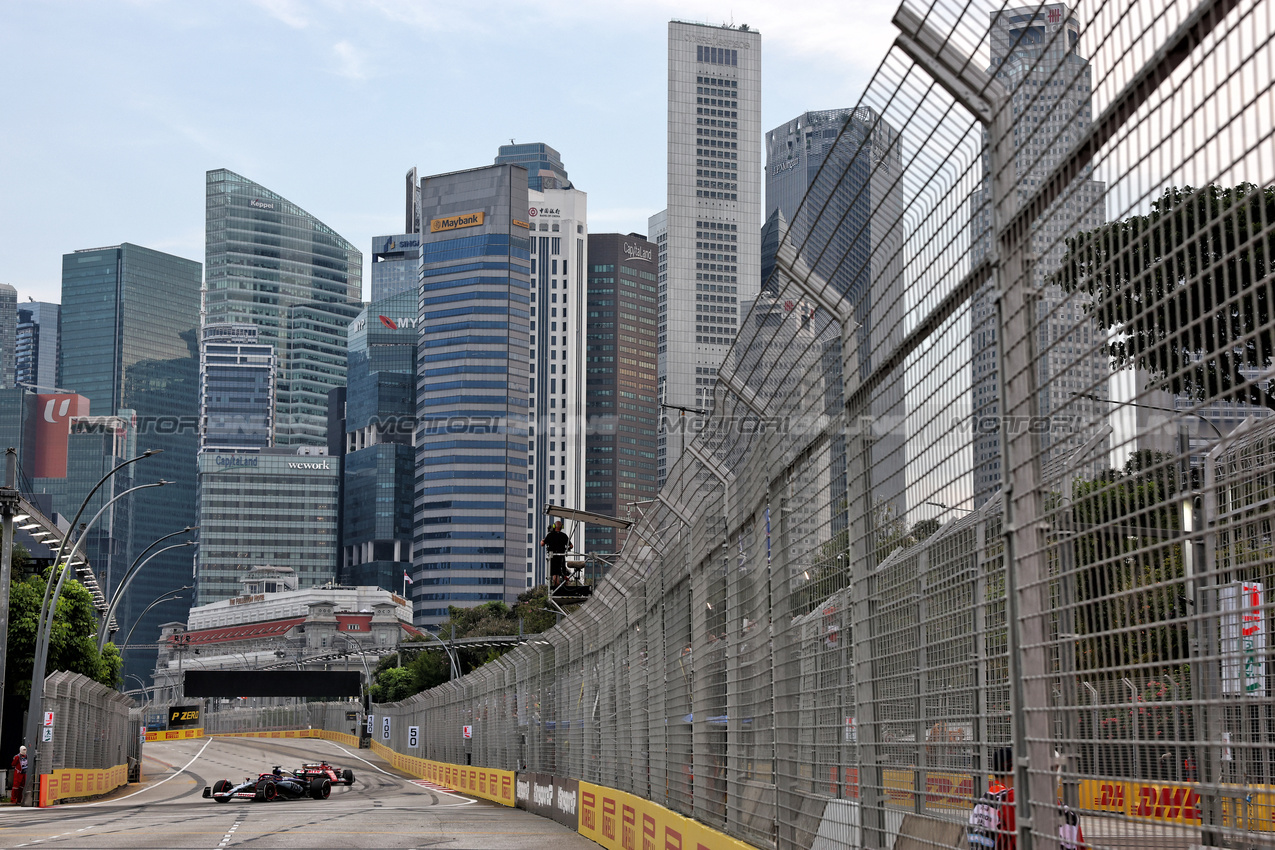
(620, 821)
(70, 783)
(486, 782)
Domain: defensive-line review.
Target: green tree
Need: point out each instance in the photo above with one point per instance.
(424, 665)
(1128, 576)
(1183, 285)
(72, 641)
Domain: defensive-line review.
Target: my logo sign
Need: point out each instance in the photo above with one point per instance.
(401, 322)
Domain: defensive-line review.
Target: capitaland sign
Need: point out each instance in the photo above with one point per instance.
(455, 222)
(309, 465)
(257, 203)
(637, 252)
(232, 461)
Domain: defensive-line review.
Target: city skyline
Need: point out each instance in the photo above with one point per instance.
(161, 143)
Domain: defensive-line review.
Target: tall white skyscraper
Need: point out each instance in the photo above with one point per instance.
(713, 220)
(1034, 54)
(556, 428)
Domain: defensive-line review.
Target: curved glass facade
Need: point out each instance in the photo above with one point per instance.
(273, 265)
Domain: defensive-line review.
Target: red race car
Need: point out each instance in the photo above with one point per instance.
(323, 770)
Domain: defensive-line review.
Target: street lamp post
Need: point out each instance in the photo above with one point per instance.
(8, 509)
(163, 597)
(129, 574)
(45, 624)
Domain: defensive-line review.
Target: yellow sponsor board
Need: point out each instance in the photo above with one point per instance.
(175, 734)
(69, 783)
(621, 821)
(523, 224)
(455, 222)
(486, 782)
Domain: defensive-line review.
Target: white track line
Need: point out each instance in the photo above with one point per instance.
(148, 787)
(392, 776)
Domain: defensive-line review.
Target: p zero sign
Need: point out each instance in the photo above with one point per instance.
(455, 222)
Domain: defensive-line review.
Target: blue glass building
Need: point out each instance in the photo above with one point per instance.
(236, 388)
(272, 264)
(472, 392)
(395, 260)
(544, 165)
(130, 320)
(38, 346)
(379, 455)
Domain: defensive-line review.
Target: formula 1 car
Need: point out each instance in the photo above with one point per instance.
(323, 770)
(268, 787)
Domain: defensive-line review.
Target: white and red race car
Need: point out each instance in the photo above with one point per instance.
(323, 770)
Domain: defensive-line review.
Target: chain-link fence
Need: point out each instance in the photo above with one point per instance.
(93, 727)
(989, 465)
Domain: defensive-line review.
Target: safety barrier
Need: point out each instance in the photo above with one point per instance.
(92, 736)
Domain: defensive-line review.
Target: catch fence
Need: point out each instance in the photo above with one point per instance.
(989, 464)
(93, 727)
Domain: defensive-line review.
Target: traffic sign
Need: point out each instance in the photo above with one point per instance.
(48, 734)
(469, 732)
(413, 737)
(385, 727)
(48, 718)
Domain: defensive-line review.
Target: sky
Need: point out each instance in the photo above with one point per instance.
(115, 110)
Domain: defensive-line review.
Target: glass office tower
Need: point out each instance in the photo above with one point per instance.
(379, 455)
(472, 390)
(130, 320)
(38, 345)
(8, 328)
(236, 388)
(544, 165)
(273, 508)
(273, 265)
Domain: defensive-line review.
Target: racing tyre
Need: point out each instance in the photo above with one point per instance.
(321, 789)
(347, 776)
(220, 786)
(269, 792)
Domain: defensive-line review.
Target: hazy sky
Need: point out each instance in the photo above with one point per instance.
(113, 111)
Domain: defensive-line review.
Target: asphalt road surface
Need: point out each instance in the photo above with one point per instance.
(384, 808)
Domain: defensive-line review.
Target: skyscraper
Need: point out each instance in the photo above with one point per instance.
(714, 208)
(8, 327)
(544, 165)
(834, 192)
(38, 345)
(472, 390)
(236, 388)
(1033, 53)
(558, 228)
(276, 507)
(130, 320)
(378, 453)
(395, 261)
(620, 462)
(273, 265)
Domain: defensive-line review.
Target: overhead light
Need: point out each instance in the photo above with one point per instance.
(21, 517)
(29, 526)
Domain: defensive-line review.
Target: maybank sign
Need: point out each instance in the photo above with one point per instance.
(455, 222)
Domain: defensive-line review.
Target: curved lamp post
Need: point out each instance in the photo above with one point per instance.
(129, 575)
(163, 597)
(45, 623)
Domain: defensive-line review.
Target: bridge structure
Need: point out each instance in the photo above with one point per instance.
(924, 539)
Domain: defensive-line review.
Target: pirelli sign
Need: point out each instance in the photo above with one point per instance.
(455, 222)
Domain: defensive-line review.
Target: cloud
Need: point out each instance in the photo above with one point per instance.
(350, 62)
(289, 12)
